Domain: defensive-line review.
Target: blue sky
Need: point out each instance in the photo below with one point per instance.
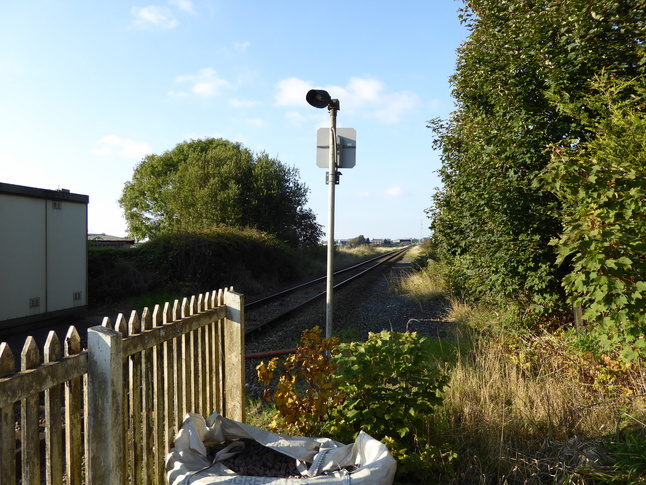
(89, 88)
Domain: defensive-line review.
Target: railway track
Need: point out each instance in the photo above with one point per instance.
(265, 313)
(260, 314)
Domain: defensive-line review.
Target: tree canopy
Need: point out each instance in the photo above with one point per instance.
(523, 62)
(358, 241)
(211, 182)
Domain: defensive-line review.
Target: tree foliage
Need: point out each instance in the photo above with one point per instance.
(214, 182)
(521, 63)
(358, 241)
(602, 184)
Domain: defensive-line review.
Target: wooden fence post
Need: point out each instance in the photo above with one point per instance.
(105, 416)
(7, 422)
(234, 363)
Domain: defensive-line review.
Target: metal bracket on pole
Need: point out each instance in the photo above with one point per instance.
(336, 177)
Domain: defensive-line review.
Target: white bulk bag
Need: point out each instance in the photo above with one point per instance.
(321, 460)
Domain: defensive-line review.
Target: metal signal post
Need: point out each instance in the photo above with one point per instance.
(321, 99)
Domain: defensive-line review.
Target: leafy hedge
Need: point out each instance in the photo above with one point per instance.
(602, 184)
(187, 263)
(523, 84)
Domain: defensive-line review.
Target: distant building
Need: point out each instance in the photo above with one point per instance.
(43, 253)
(104, 241)
(403, 242)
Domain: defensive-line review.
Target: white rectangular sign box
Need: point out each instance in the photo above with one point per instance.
(346, 146)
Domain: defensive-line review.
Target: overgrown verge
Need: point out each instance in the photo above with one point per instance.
(178, 264)
(534, 401)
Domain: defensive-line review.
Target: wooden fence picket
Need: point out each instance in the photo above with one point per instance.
(53, 425)
(7, 421)
(135, 388)
(29, 415)
(148, 404)
(72, 396)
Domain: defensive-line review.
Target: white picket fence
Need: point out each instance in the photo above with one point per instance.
(109, 414)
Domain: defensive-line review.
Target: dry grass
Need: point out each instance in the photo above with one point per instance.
(520, 411)
(424, 285)
(521, 407)
(344, 256)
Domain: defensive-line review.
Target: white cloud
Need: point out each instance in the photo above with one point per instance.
(367, 97)
(236, 49)
(241, 46)
(296, 117)
(184, 5)
(292, 91)
(153, 17)
(395, 105)
(101, 151)
(124, 147)
(205, 83)
(394, 192)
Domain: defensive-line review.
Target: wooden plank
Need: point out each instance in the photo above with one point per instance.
(169, 381)
(234, 373)
(121, 326)
(29, 435)
(219, 355)
(208, 394)
(147, 405)
(7, 360)
(134, 328)
(45, 376)
(201, 372)
(7, 422)
(178, 373)
(53, 411)
(187, 364)
(161, 407)
(73, 396)
(173, 329)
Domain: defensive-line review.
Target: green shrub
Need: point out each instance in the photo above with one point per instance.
(391, 390)
(386, 387)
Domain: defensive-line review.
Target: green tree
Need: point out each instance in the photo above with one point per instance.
(522, 61)
(358, 241)
(213, 182)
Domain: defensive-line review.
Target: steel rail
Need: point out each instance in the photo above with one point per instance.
(253, 332)
(275, 296)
